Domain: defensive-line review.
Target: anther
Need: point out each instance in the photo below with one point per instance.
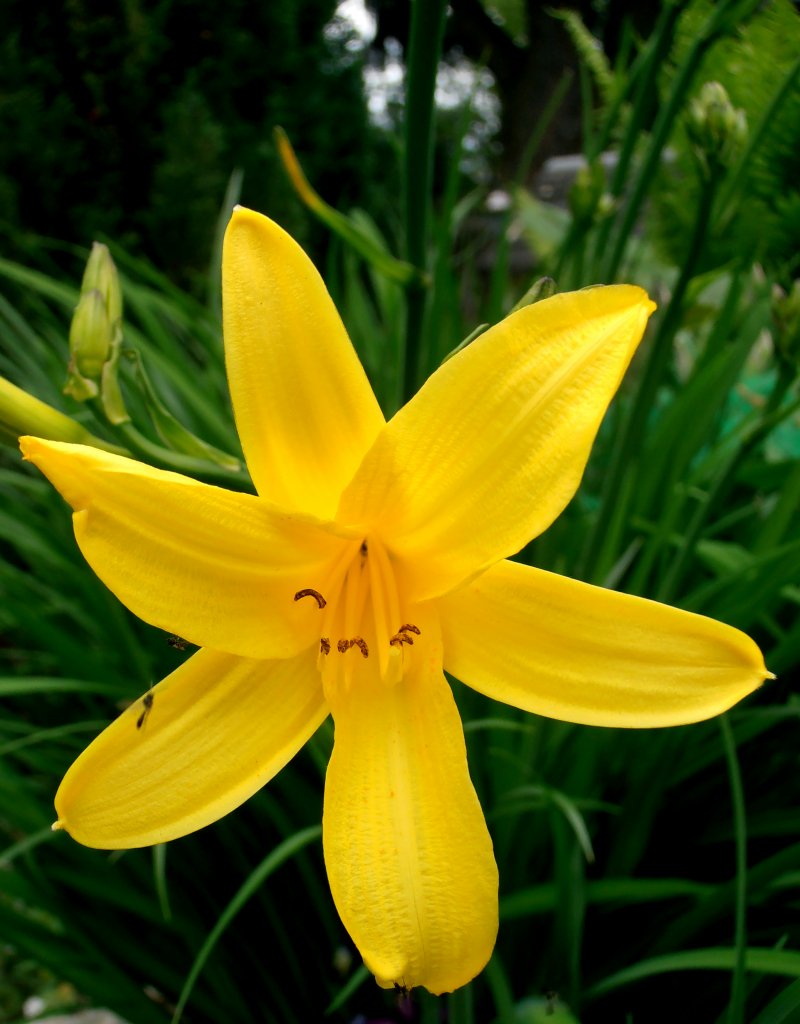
(324, 645)
(401, 636)
(344, 645)
(308, 592)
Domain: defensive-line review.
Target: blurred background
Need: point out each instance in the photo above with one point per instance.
(645, 876)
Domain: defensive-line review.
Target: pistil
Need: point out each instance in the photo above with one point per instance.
(361, 609)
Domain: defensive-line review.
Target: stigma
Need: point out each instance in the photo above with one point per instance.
(364, 638)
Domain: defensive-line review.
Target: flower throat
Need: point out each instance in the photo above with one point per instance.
(363, 632)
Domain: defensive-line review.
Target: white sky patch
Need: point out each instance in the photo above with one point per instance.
(354, 23)
(458, 80)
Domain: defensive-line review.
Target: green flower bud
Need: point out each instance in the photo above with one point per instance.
(587, 192)
(95, 337)
(786, 320)
(90, 338)
(716, 129)
(101, 275)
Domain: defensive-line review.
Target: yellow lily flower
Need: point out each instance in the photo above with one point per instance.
(373, 557)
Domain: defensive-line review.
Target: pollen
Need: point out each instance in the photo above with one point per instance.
(401, 636)
(361, 609)
(356, 641)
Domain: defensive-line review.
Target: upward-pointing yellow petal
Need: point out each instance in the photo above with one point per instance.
(304, 408)
(491, 449)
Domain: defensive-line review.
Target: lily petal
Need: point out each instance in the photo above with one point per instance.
(191, 750)
(579, 653)
(408, 855)
(216, 567)
(493, 446)
(304, 408)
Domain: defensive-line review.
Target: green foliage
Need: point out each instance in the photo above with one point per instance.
(758, 67)
(126, 122)
(683, 844)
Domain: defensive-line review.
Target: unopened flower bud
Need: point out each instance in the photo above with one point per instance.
(786, 319)
(89, 345)
(716, 128)
(586, 194)
(21, 413)
(95, 336)
(101, 275)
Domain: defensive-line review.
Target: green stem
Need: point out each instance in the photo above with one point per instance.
(177, 461)
(424, 48)
(642, 77)
(460, 1006)
(714, 27)
(736, 1006)
(599, 550)
(723, 483)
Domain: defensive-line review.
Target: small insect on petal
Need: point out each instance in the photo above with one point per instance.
(147, 704)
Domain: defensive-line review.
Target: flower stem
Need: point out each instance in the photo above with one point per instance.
(736, 1005)
(424, 48)
(599, 554)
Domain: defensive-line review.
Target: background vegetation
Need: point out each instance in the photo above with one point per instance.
(646, 876)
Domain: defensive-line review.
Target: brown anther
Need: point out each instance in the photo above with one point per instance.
(401, 638)
(324, 645)
(308, 592)
(409, 628)
(356, 641)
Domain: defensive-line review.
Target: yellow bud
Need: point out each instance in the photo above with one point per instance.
(21, 413)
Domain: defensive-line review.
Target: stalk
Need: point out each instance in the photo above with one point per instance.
(736, 1005)
(626, 451)
(424, 49)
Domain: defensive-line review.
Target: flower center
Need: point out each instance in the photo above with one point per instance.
(363, 631)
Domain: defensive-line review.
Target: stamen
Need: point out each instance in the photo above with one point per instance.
(356, 641)
(308, 592)
(324, 645)
(401, 638)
